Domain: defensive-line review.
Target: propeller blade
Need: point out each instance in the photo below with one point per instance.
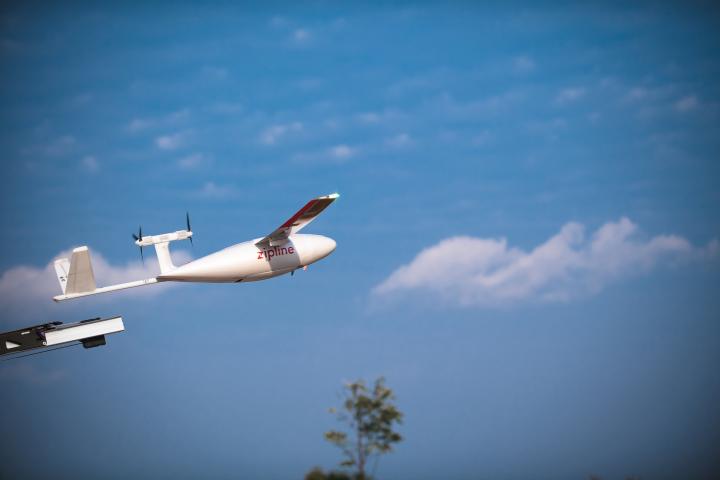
(189, 229)
(138, 238)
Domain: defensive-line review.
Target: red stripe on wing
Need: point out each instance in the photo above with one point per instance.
(299, 214)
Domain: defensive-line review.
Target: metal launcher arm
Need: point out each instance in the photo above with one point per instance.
(91, 333)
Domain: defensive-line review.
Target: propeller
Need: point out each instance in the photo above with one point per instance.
(187, 221)
(138, 238)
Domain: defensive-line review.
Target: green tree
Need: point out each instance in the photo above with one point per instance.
(370, 416)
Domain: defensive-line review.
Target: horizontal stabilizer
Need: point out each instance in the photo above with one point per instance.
(109, 288)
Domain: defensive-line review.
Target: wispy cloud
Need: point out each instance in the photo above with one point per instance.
(335, 155)
(272, 134)
(90, 164)
(523, 64)
(211, 190)
(368, 117)
(81, 99)
(549, 127)
(637, 94)
(401, 140)
(445, 104)
(341, 152)
(138, 124)
(569, 95)
(309, 83)
(62, 145)
(172, 119)
(226, 108)
(686, 104)
(171, 141)
(301, 35)
(436, 79)
(481, 139)
(194, 161)
(279, 22)
(215, 73)
(387, 116)
(468, 271)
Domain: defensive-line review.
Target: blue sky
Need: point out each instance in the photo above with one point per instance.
(527, 236)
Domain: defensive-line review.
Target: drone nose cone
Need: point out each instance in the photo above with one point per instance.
(330, 245)
(324, 247)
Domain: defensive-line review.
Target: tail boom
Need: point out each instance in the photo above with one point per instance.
(110, 288)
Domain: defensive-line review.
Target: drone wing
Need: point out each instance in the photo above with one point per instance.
(298, 221)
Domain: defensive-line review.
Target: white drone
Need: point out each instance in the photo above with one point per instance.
(283, 251)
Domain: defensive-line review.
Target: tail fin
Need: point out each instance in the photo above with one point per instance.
(80, 277)
(77, 279)
(62, 268)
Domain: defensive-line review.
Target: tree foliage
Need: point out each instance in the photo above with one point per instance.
(317, 473)
(370, 416)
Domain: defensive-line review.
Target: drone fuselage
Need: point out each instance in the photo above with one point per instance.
(249, 261)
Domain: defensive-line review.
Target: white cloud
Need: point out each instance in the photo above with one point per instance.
(90, 164)
(82, 99)
(341, 152)
(368, 117)
(226, 108)
(686, 104)
(272, 134)
(191, 162)
(212, 190)
(523, 64)
(387, 116)
(170, 142)
(279, 22)
(301, 35)
(481, 139)
(445, 104)
(215, 73)
(138, 124)
(470, 271)
(27, 291)
(401, 140)
(171, 119)
(570, 94)
(339, 23)
(335, 155)
(549, 127)
(57, 147)
(637, 93)
(310, 83)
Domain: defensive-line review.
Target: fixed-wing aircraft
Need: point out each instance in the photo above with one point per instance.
(282, 251)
